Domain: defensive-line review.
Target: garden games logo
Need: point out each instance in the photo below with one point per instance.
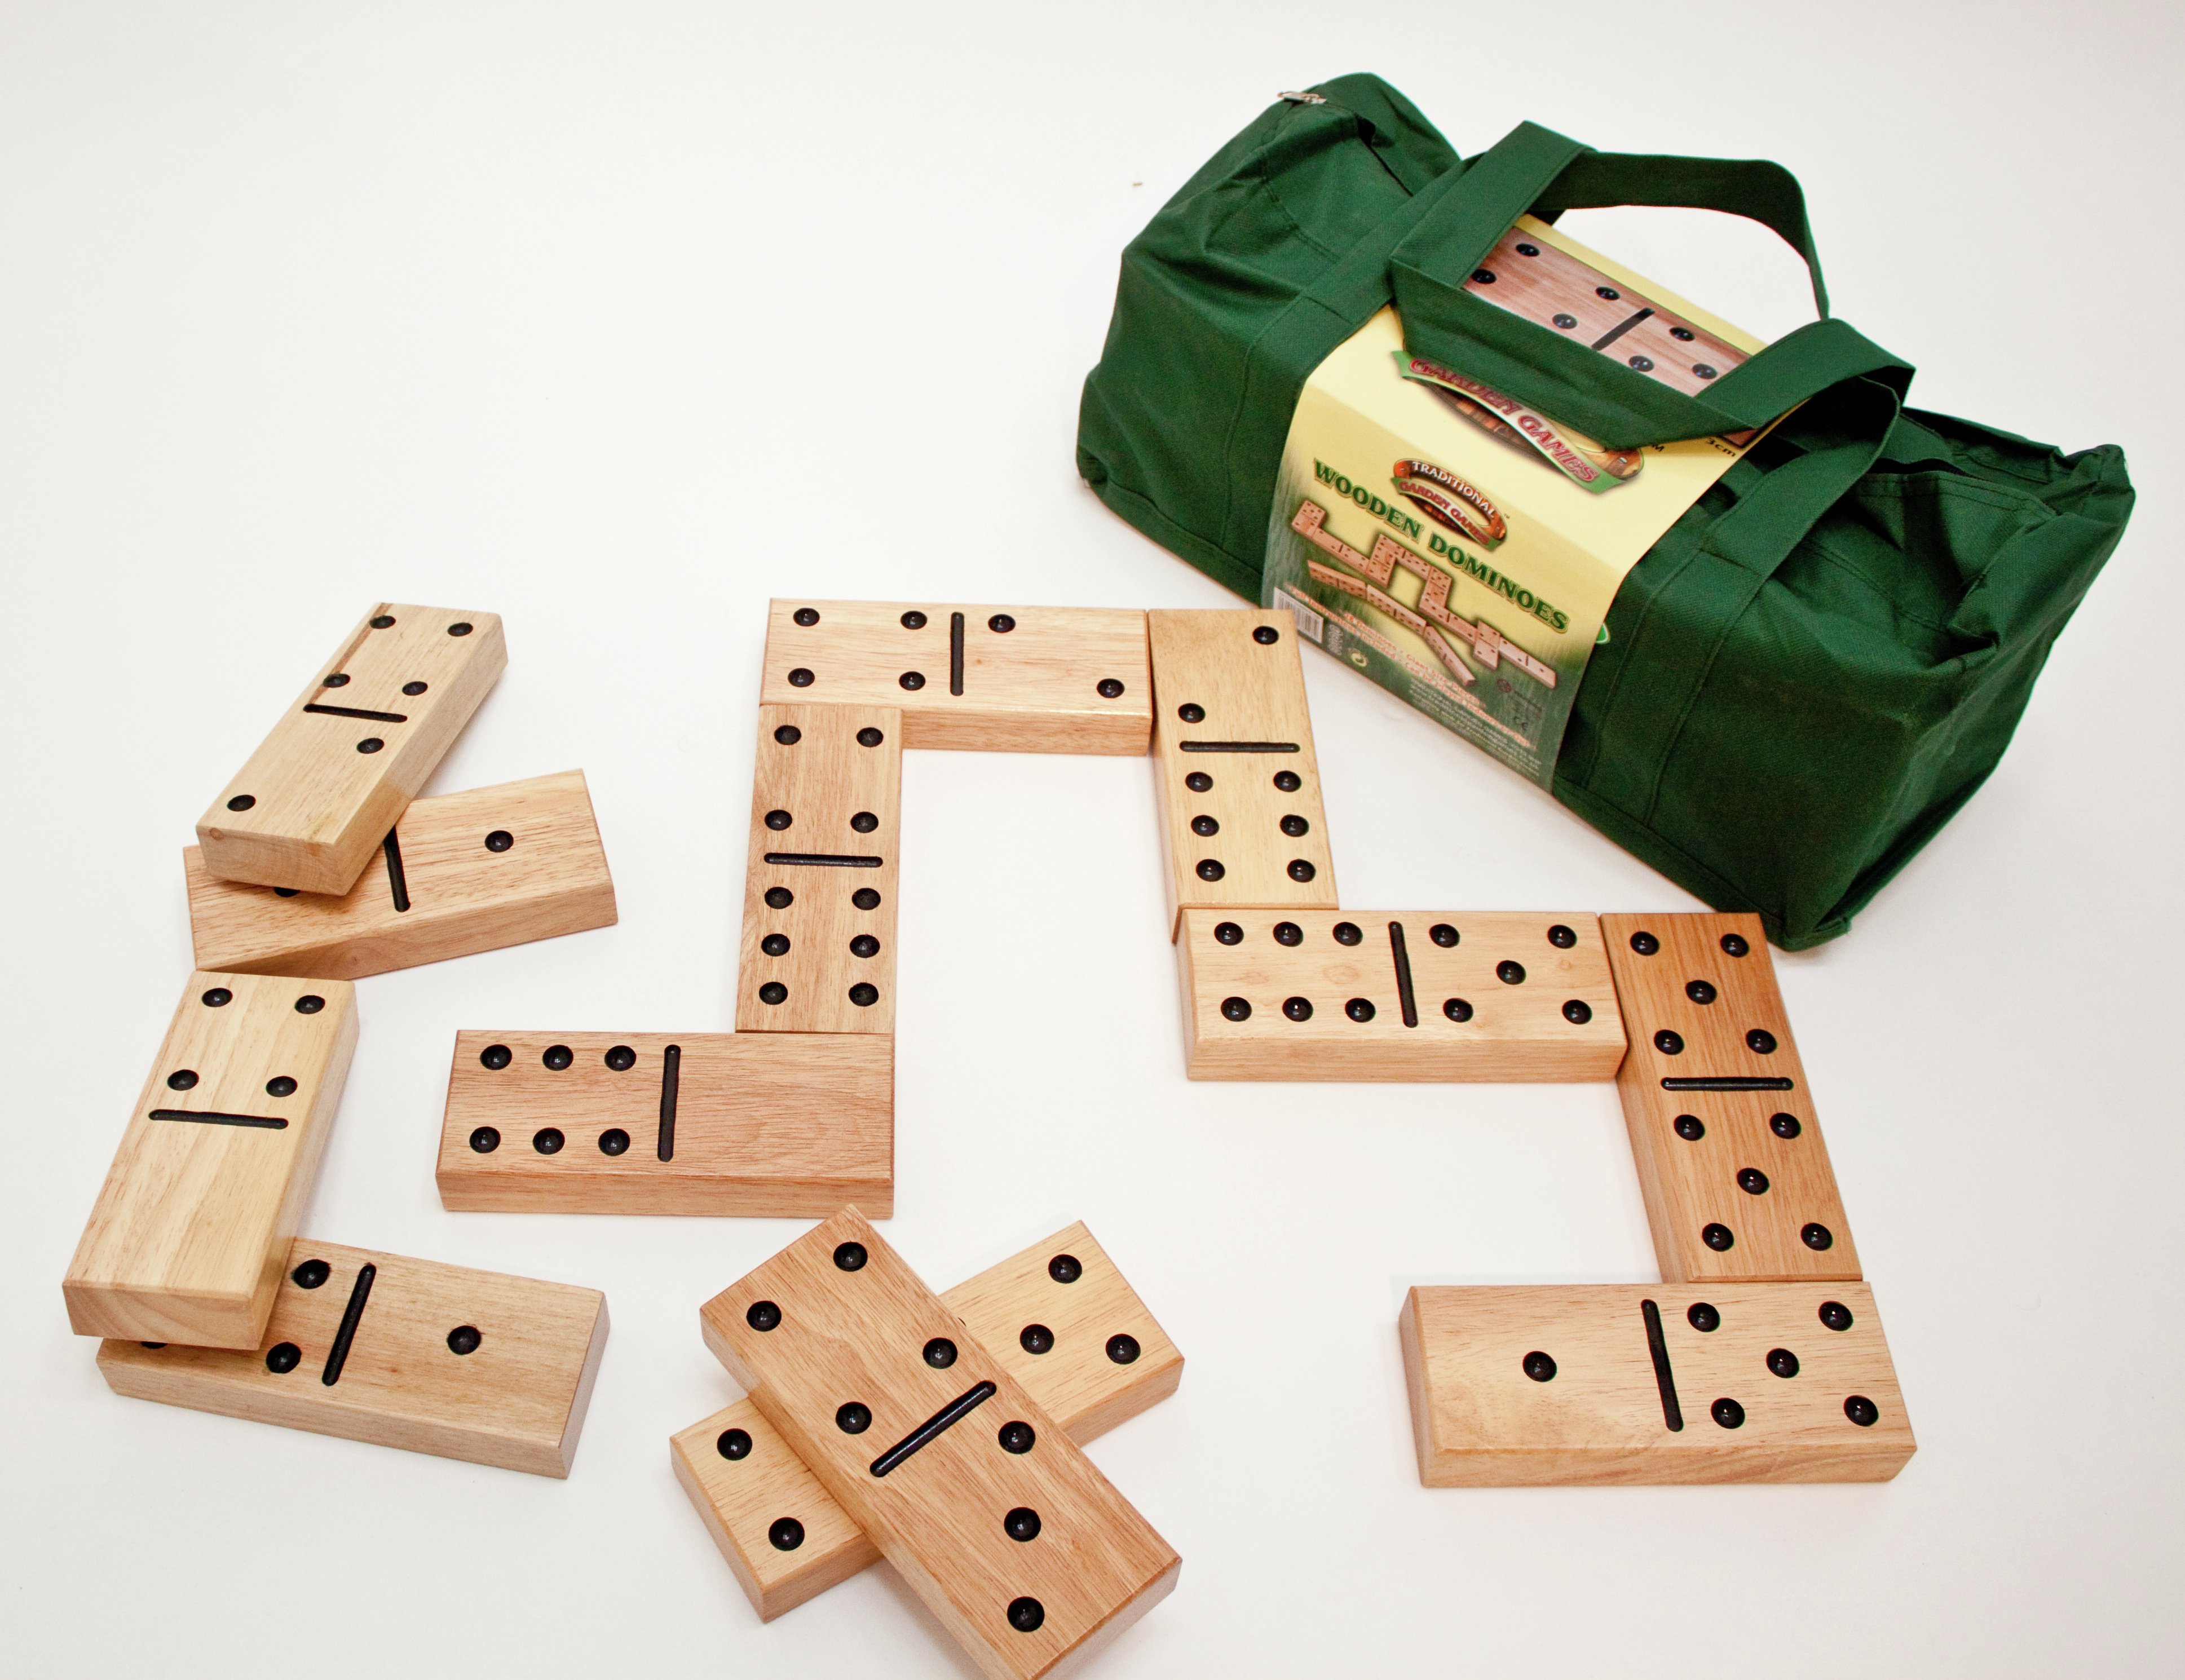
(1450, 502)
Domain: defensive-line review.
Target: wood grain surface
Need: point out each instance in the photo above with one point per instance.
(764, 1125)
(315, 798)
(185, 1242)
(1494, 996)
(479, 870)
(1737, 1184)
(1230, 711)
(849, 1377)
(1764, 1387)
(826, 798)
(440, 1359)
(786, 1537)
(1056, 680)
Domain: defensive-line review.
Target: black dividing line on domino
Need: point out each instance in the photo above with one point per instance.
(671, 1078)
(1664, 1378)
(1403, 974)
(352, 1316)
(934, 1427)
(826, 860)
(955, 653)
(397, 884)
(1729, 1082)
(1238, 746)
(354, 711)
(213, 1117)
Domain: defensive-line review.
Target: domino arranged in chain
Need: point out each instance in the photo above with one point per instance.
(434, 1358)
(1241, 818)
(971, 678)
(819, 887)
(1761, 1356)
(1651, 1383)
(1363, 994)
(1059, 1316)
(459, 873)
(1722, 1125)
(312, 805)
(936, 1450)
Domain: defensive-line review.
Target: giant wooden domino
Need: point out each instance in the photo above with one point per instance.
(185, 1241)
(1359, 994)
(974, 679)
(778, 1124)
(460, 873)
(938, 1451)
(1059, 1316)
(441, 1359)
(314, 802)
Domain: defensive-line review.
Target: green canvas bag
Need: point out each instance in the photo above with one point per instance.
(1811, 671)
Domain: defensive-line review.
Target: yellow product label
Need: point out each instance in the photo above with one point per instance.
(1458, 548)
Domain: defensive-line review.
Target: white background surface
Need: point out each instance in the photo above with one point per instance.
(617, 320)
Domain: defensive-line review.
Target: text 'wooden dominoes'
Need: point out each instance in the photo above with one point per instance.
(818, 937)
(1722, 1127)
(433, 1359)
(972, 678)
(1241, 818)
(1058, 1317)
(463, 872)
(1651, 1383)
(1396, 995)
(313, 803)
(969, 1487)
(186, 1240)
(776, 1125)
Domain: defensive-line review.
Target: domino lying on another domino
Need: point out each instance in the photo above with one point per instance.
(1059, 1316)
(932, 1445)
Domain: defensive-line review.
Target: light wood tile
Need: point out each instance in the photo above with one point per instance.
(432, 1359)
(460, 873)
(775, 1125)
(1232, 746)
(1426, 994)
(819, 888)
(1737, 1182)
(312, 805)
(185, 1242)
(1106, 1360)
(1755, 1382)
(901, 1415)
(972, 678)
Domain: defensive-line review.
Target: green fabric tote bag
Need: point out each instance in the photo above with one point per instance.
(1809, 673)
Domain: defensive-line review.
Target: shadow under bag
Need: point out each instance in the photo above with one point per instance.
(1817, 664)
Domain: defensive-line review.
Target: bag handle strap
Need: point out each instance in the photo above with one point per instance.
(1535, 169)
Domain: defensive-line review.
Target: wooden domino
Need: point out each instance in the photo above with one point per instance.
(1530, 274)
(818, 936)
(1241, 819)
(778, 1125)
(400, 1352)
(1058, 1317)
(312, 805)
(461, 873)
(1360, 995)
(185, 1242)
(1651, 1383)
(972, 678)
(1722, 1125)
(965, 1483)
